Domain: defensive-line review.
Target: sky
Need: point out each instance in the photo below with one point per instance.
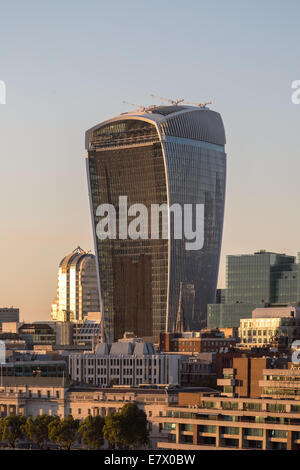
(69, 64)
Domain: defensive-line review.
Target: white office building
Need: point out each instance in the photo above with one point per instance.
(127, 362)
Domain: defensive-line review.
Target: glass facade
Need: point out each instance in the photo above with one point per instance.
(252, 281)
(263, 331)
(156, 158)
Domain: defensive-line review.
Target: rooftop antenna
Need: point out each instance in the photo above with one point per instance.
(201, 105)
(173, 102)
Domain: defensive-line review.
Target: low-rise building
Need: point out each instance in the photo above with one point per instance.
(281, 383)
(55, 397)
(219, 422)
(198, 370)
(126, 362)
(195, 341)
(243, 378)
(268, 325)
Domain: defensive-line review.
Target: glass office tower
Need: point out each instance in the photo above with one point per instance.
(255, 280)
(163, 155)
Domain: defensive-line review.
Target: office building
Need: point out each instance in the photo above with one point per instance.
(77, 287)
(255, 280)
(243, 379)
(126, 362)
(282, 383)
(198, 370)
(195, 341)
(225, 423)
(269, 326)
(37, 333)
(161, 155)
(9, 314)
(56, 398)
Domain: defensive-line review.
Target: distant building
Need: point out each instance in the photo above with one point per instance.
(88, 333)
(195, 341)
(255, 280)
(243, 378)
(37, 333)
(32, 371)
(126, 362)
(282, 383)
(198, 370)
(85, 333)
(9, 314)
(77, 287)
(268, 325)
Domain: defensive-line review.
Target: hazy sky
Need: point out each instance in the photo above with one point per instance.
(69, 65)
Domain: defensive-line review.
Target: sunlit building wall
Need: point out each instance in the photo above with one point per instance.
(77, 287)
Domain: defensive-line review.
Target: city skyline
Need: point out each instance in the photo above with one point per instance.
(247, 72)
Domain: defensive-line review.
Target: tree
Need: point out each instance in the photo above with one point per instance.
(37, 429)
(111, 430)
(134, 426)
(91, 431)
(64, 432)
(128, 428)
(12, 429)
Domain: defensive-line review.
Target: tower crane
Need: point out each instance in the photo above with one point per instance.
(173, 102)
(139, 107)
(201, 105)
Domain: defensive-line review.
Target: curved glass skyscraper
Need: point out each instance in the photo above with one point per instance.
(77, 288)
(162, 155)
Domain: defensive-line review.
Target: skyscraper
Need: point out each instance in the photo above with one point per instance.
(159, 155)
(77, 287)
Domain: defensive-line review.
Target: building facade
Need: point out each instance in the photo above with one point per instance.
(219, 422)
(9, 314)
(77, 287)
(255, 280)
(282, 383)
(268, 325)
(52, 397)
(165, 155)
(195, 342)
(125, 363)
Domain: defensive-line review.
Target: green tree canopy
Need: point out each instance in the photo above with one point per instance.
(37, 429)
(128, 428)
(64, 432)
(112, 428)
(91, 431)
(12, 429)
